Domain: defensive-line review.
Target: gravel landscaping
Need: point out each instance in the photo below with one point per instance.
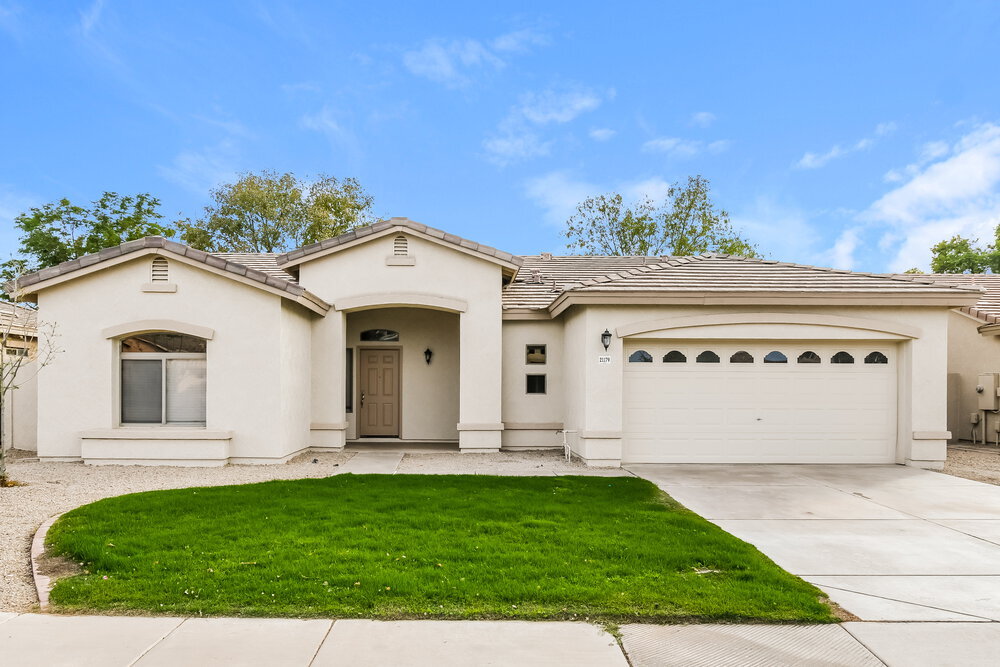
(979, 463)
(54, 488)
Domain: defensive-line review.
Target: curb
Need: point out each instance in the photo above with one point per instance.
(43, 583)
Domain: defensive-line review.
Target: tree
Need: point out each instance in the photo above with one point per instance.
(26, 346)
(271, 212)
(961, 255)
(686, 223)
(60, 231)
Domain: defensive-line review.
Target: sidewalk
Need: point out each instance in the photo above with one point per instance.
(28, 640)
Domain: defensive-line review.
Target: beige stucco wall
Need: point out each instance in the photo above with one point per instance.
(969, 354)
(532, 420)
(247, 386)
(594, 390)
(430, 392)
(20, 418)
(367, 276)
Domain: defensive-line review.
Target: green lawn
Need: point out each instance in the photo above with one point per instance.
(420, 546)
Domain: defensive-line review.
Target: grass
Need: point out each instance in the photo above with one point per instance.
(417, 546)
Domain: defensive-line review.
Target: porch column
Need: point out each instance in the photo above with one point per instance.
(923, 400)
(328, 427)
(480, 354)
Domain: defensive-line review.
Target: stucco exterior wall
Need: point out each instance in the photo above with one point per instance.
(78, 392)
(532, 420)
(20, 418)
(370, 276)
(969, 354)
(295, 366)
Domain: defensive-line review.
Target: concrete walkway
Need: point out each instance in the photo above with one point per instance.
(30, 640)
(887, 543)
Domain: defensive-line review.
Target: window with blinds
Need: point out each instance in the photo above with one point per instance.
(163, 379)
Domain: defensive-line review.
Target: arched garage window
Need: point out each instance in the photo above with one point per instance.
(876, 358)
(163, 379)
(707, 357)
(809, 357)
(640, 357)
(842, 358)
(741, 357)
(674, 357)
(775, 357)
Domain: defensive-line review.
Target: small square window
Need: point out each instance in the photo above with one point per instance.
(536, 384)
(534, 354)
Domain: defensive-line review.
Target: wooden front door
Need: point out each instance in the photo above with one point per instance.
(379, 393)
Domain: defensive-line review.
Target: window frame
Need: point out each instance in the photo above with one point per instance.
(544, 353)
(163, 358)
(527, 381)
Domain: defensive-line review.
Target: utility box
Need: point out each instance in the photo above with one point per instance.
(986, 389)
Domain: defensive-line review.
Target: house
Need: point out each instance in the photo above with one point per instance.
(18, 345)
(399, 332)
(973, 349)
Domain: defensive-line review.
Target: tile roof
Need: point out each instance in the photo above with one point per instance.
(265, 262)
(540, 281)
(17, 319)
(298, 255)
(987, 308)
(272, 277)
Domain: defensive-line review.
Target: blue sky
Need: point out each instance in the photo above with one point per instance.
(848, 134)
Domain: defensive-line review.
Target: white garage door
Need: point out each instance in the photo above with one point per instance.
(754, 402)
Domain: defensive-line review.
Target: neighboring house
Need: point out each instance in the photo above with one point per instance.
(398, 332)
(18, 334)
(973, 349)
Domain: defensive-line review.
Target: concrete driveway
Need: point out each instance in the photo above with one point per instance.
(887, 543)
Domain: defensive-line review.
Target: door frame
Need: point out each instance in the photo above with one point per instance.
(359, 351)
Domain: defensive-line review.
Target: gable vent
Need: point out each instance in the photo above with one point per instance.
(399, 246)
(159, 272)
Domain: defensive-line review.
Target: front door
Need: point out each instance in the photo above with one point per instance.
(379, 388)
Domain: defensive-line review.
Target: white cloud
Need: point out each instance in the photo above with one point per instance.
(602, 133)
(551, 106)
(517, 136)
(651, 188)
(201, 170)
(558, 194)
(702, 118)
(90, 17)
(817, 160)
(955, 190)
(929, 152)
(519, 41)
(842, 253)
(454, 63)
(683, 148)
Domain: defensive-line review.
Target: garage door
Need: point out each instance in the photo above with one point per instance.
(754, 402)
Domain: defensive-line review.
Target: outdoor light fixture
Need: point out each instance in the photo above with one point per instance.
(427, 355)
(606, 339)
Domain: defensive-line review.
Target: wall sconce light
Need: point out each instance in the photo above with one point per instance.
(606, 339)
(427, 355)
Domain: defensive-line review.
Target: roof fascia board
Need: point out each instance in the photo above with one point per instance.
(396, 229)
(306, 299)
(815, 298)
(514, 314)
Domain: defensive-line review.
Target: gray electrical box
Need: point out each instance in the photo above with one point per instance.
(986, 389)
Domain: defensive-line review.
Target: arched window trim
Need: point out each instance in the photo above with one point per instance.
(675, 357)
(708, 357)
(640, 357)
(741, 357)
(775, 357)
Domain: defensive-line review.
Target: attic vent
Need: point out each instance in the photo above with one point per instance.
(536, 276)
(159, 272)
(399, 246)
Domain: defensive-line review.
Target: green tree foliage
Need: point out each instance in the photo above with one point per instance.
(60, 231)
(687, 222)
(271, 212)
(961, 255)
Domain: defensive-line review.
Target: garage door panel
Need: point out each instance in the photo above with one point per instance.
(773, 413)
